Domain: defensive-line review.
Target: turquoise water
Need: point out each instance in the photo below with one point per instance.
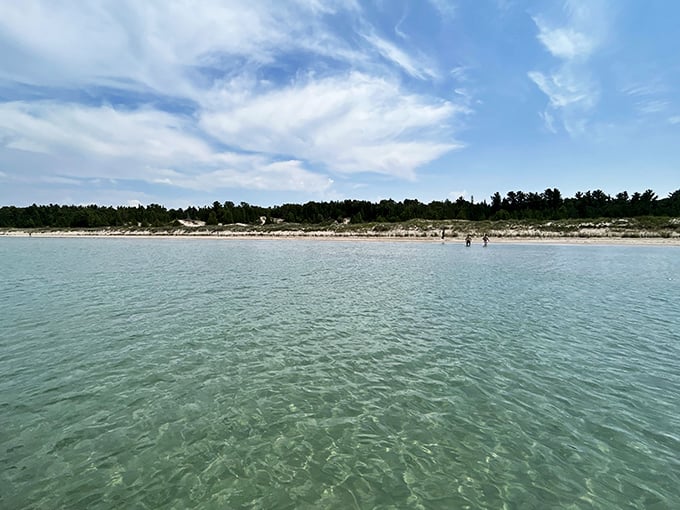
(182, 373)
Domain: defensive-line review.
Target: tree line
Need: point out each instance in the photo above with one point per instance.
(550, 204)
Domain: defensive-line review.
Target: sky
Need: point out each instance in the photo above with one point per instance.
(179, 103)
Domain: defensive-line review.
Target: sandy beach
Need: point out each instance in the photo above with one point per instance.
(510, 237)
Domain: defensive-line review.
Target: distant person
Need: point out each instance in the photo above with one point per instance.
(486, 240)
(468, 240)
(443, 232)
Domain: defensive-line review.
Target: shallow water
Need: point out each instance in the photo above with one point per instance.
(181, 373)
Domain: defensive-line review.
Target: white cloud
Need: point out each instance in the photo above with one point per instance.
(157, 45)
(446, 8)
(675, 119)
(62, 180)
(416, 67)
(645, 89)
(548, 120)
(460, 73)
(566, 43)
(259, 174)
(50, 127)
(240, 126)
(565, 88)
(455, 195)
(652, 106)
(354, 123)
(397, 28)
(572, 38)
(650, 93)
(146, 145)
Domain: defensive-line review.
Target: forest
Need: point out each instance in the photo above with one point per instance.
(550, 204)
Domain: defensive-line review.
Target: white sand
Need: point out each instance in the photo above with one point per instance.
(509, 237)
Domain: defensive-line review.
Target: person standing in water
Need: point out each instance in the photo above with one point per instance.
(468, 240)
(486, 240)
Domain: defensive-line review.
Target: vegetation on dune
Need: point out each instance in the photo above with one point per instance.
(531, 214)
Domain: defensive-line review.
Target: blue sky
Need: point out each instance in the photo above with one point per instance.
(183, 103)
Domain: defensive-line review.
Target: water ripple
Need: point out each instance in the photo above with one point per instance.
(191, 374)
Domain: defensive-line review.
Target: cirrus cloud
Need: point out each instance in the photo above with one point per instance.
(144, 145)
(570, 87)
(251, 94)
(354, 123)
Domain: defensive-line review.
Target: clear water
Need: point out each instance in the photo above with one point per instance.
(182, 373)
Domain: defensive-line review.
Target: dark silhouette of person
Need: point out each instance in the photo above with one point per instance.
(485, 239)
(468, 240)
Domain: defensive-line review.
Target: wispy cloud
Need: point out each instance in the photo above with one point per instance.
(416, 67)
(52, 127)
(258, 174)
(652, 106)
(572, 38)
(144, 145)
(460, 73)
(650, 99)
(353, 123)
(446, 8)
(645, 89)
(158, 45)
(548, 121)
(253, 115)
(455, 195)
(397, 28)
(565, 88)
(565, 42)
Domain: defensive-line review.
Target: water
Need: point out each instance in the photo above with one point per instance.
(182, 373)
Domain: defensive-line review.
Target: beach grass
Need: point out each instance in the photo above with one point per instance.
(644, 227)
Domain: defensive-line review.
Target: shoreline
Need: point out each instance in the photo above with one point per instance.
(509, 238)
